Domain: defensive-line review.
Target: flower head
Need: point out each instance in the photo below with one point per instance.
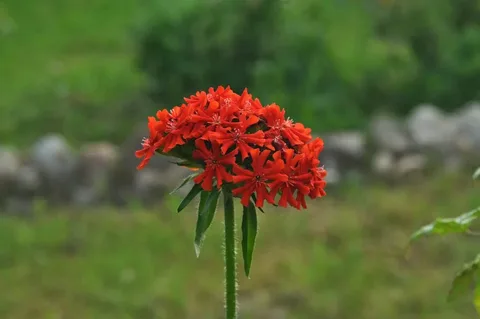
(235, 140)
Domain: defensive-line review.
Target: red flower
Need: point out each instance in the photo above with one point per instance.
(297, 179)
(277, 156)
(238, 137)
(173, 130)
(209, 119)
(199, 100)
(215, 165)
(257, 180)
(249, 106)
(296, 134)
(150, 144)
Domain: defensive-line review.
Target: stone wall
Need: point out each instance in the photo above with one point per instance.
(102, 173)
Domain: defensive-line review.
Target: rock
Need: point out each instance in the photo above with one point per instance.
(352, 144)
(93, 168)
(430, 127)
(9, 166)
(389, 134)
(333, 172)
(411, 164)
(151, 184)
(344, 155)
(27, 180)
(52, 156)
(383, 163)
(126, 182)
(467, 129)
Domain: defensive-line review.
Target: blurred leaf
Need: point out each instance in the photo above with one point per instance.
(183, 183)
(186, 163)
(464, 280)
(442, 226)
(206, 212)
(476, 300)
(476, 174)
(191, 195)
(249, 233)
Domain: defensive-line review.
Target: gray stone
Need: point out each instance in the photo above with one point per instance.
(9, 164)
(127, 183)
(411, 164)
(92, 171)
(333, 172)
(467, 129)
(383, 163)
(52, 156)
(430, 127)
(389, 134)
(27, 180)
(350, 143)
(151, 185)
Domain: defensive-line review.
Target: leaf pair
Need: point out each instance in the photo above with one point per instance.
(206, 209)
(206, 212)
(443, 226)
(464, 279)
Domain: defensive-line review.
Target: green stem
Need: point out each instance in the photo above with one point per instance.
(230, 254)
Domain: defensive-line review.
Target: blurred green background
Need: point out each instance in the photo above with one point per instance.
(92, 69)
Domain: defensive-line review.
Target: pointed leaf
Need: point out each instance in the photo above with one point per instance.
(464, 279)
(183, 183)
(442, 226)
(191, 195)
(186, 163)
(476, 174)
(206, 213)
(249, 234)
(476, 300)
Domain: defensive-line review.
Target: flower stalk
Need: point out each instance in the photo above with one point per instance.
(238, 147)
(231, 308)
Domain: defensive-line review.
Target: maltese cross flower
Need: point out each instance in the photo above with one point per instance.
(241, 149)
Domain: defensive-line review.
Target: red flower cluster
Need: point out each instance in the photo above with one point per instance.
(237, 140)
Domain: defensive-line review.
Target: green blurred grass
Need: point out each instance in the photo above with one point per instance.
(60, 57)
(343, 258)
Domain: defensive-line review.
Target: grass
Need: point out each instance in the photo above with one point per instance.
(59, 58)
(344, 258)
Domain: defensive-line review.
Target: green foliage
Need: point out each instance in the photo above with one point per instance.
(249, 234)
(466, 278)
(194, 191)
(331, 63)
(443, 226)
(69, 68)
(476, 174)
(183, 183)
(319, 59)
(206, 213)
(342, 259)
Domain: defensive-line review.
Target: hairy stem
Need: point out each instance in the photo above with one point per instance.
(230, 254)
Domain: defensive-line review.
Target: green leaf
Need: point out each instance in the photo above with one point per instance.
(191, 195)
(249, 233)
(476, 174)
(464, 280)
(442, 226)
(476, 300)
(186, 163)
(184, 182)
(206, 213)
